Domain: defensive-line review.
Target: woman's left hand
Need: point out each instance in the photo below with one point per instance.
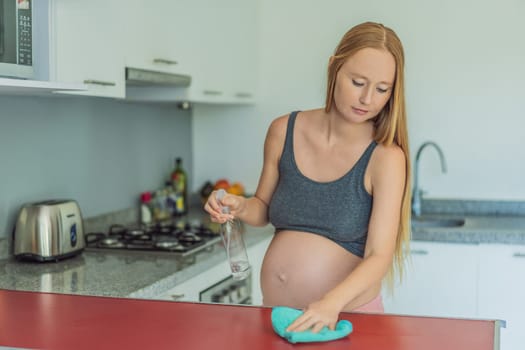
(316, 316)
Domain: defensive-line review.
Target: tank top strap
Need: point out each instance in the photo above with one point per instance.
(288, 142)
(363, 161)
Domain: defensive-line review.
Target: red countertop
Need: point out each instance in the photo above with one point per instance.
(59, 321)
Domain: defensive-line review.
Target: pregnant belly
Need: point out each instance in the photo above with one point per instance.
(300, 268)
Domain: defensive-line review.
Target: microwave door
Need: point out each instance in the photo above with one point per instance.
(1, 30)
(8, 34)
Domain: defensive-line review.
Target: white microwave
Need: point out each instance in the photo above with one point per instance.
(16, 39)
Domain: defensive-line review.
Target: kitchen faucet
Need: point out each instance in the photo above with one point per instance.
(417, 193)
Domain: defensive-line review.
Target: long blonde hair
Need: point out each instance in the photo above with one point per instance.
(390, 123)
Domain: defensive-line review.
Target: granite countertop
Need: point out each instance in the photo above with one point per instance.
(481, 222)
(116, 274)
(475, 230)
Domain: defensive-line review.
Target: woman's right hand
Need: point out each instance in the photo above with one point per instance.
(214, 206)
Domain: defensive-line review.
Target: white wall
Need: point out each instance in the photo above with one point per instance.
(465, 86)
(101, 152)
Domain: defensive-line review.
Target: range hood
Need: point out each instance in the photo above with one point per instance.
(144, 77)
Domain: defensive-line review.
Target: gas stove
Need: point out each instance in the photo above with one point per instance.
(175, 237)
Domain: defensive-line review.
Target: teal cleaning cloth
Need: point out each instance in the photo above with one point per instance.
(283, 316)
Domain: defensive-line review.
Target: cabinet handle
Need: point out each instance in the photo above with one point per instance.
(419, 252)
(177, 296)
(99, 82)
(243, 95)
(164, 61)
(212, 92)
(519, 255)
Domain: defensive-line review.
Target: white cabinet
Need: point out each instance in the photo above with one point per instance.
(502, 290)
(158, 35)
(484, 281)
(440, 280)
(225, 50)
(86, 45)
(213, 42)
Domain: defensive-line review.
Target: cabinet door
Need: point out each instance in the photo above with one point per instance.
(440, 280)
(86, 39)
(226, 33)
(242, 31)
(502, 289)
(156, 38)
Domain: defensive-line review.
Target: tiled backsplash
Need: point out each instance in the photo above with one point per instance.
(4, 248)
(101, 223)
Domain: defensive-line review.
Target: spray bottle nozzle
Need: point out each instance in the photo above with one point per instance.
(219, 196)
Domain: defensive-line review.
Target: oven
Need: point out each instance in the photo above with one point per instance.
(228, 291)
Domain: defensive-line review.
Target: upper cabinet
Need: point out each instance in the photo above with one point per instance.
(214, 42)
(155, 37)
(225, 49)
(86, 45)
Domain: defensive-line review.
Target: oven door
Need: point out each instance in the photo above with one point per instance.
(228, 291)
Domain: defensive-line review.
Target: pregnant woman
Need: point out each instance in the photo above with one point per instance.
(335, 185)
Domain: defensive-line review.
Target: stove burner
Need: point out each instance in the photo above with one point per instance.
(189, 237)
(111, 243)
(117, 230)
(202, 230)
(173, 246)
(135, 232)
(166, 236)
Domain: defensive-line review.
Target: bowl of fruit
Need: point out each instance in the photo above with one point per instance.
(236, 188)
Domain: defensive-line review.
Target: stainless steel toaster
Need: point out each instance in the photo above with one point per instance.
(48, 230)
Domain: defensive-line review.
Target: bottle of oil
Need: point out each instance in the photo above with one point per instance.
(179, 181)
(146, 212)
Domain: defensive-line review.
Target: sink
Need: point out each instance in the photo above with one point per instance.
(423, 222)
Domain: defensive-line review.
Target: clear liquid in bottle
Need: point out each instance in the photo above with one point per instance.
(231, 233)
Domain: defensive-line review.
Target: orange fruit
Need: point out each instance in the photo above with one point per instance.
(221, 183)
(236, 188)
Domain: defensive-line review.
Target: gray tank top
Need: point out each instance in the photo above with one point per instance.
(339, 210)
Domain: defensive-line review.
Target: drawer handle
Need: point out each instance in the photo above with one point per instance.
(212, 92)
(419, 252)
(177, 296)
(519, 255)
(99, 82)
(164, 61)
(243, 95)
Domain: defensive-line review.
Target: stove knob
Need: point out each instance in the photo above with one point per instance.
(216, 298)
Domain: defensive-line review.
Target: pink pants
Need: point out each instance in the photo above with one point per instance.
(374, 306)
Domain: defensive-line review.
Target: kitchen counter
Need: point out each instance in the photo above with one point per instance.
(476, 229)
(485, 221)
(147, 274)
(56, 321)
(116, 274)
